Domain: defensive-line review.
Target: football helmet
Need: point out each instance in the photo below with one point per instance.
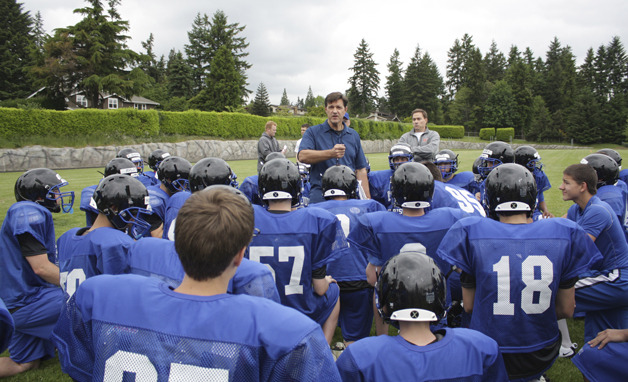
(340, 181)
(399, 150)
(613, 154)
(174, 172)
(134, 156)
(120, 166)
(125, 202)
(528, 157)
(412, 186)
(43, 186)
(447, 162)
(410, 287)
(155, 158)
(210, 171)
(274, 155)
(231, 189)
(606, 168)
(493, 155)
(510, 187)
(280, 179)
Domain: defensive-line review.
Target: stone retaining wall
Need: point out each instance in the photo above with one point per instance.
(60, 158)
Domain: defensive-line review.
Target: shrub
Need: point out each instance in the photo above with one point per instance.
(505, 134)
(487, 133)
(449, 131)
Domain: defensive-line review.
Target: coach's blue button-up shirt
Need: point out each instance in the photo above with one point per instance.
(323, 137)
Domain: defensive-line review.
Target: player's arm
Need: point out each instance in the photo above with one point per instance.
(321, 281)
(371, 273)
(566, 298)
(468, 291)
(362, 176)
(544, 210)
(37, 256)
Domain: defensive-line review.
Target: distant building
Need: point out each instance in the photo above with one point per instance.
(377, 116)
(110, 101)
(294, 110)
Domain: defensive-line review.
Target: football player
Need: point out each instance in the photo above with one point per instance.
(29, 276)
(602, 291)
(605, 357)
(249, 185)
(411, 294)
(518, 277)
(528, 157)
(135, 157)
(340, 189)
(102, 248)
(297, 245)
(494, 154)
(153, 257)
(379, 181)
(382, 235)
(205, 173)
(447, 162)
(195, 332)
(623, 174)
(154, 159)
(173, 173)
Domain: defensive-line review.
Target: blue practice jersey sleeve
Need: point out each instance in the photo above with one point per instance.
(6, 327)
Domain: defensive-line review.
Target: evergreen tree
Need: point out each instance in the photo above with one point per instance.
(394, 84)
(519, 78)
(284, 98)
(179, 75)
(364, 83)
(559, 77)
(423, 86)
(309, 99)
(221, 91)
(584, 119)
(261, 103)
(541, 120)
(16, 41)
(300, 103)
(99, 54)
(500, 107)
(495, 63)
(198, 51)
(458, 64)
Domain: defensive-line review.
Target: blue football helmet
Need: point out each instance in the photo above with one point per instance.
(399, 150)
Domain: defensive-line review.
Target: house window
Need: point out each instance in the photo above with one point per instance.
(113, 103)
(139, 106)
(81, 100)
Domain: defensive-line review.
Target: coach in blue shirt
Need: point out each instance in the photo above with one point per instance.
(332, 143)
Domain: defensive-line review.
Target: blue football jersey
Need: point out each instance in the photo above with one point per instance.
(616, 198)
(249, 188)
(18, 283)
(599, 220)
(518, 269)
(6, 327)
(293, 245)
(447, 195)
(461, 355)
(379, 186)
(463, 179)
(352, 264)
(160, 199)
(101, 251)
(88, 205)
(610, 364)
(175, 203)
(158, 258)
(148, 179)
(117, 326)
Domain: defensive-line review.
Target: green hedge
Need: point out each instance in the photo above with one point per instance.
(487, 133)
(505, 134)
(447, 131)
(16, 123)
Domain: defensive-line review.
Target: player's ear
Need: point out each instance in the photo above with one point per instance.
(237, 260)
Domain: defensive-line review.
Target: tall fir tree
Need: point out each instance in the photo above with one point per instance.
(198, 51)
(309, 99)
(394, 84)
(500, 108)
(364, 83)
(495, 63)
(423, 86)
(16, 42)
(179, 75)
(261, 103)
(519, 77)
(221, 91)
(284, 98)
(458, 64)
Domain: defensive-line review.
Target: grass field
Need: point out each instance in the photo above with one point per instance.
(555, 161)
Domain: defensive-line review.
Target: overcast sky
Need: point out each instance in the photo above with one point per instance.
(296, 44)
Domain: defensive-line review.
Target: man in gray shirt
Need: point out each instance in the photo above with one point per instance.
(423, 141)
(267, 144)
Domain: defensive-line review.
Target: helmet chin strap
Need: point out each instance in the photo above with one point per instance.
(512, 206)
